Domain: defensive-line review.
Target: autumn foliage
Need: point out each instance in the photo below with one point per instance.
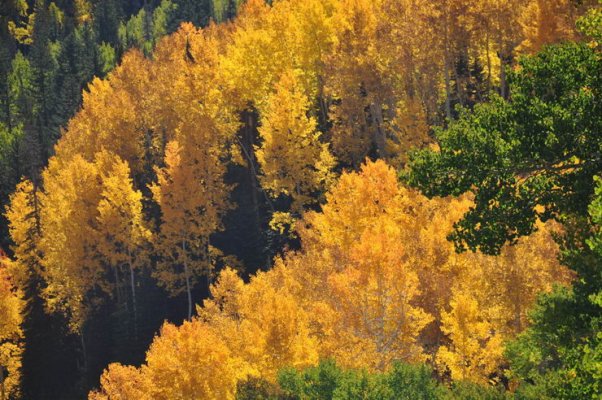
(300, 95)
(375, 281)
(11, 334)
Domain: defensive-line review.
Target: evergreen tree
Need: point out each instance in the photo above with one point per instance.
(45, 68)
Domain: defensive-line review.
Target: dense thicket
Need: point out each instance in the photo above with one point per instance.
(213, 150)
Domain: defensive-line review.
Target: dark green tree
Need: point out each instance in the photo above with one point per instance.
(533, 157)
(43, 58)
(107, 16)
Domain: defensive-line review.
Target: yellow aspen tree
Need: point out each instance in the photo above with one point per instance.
(508, 285)
(115, 115)
(186, 362)
(262, 322)
(268, 40)
(502, 290)
(374, 298)
(188, 87)
(123, 237)
(355, 81)
(192, 197)
(122, 382)
(476, 349)
(439, 264)
(11, 335)
(548, 21)
(358, 275)
(252, 61)
(352, 206)
(294, 162)
(309, 36)
(68, 243)
(190, 112)
(23, 215)
(191, 362)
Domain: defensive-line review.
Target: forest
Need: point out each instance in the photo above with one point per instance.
(300, 199)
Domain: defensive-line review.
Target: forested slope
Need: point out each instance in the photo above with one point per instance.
(49, 52)
(249, 182)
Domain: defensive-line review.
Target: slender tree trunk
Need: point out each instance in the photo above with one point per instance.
(322, 102)
(380, 137)
(488, 62)
(447, 76)
(133, 287)
(246, 146)
(84, 369)
(502, 77)
(252, 170)
(187, 275)
(209, 262)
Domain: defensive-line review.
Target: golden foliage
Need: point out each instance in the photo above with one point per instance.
(375, 281)
(23, 217)
(11, 335)
(69, 226)
(294, 161)
(476, 350)
(372, 72)
(122, 383)
(189, 362)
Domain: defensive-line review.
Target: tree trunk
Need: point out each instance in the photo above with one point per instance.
(36, 208)
(323, 116)
(252, 169)
(448, 112)
(133, 287)
(380, 135)
(446, 58)
(187, 275)
(502, 77)
(505, 61)
(488, 62)
(84, 369)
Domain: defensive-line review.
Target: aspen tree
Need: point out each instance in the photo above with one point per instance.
(294, 161)
(11, 335)
(123, 236)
